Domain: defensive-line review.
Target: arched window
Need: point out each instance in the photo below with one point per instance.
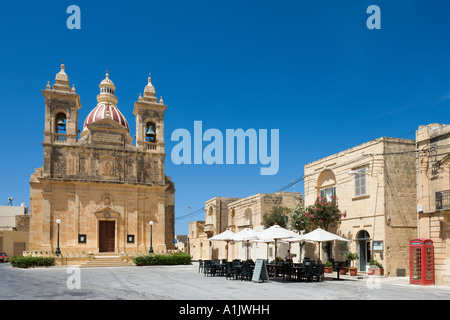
(150, 132)
(61, 123)
(326, 185)
(248, 216)
(210, 215)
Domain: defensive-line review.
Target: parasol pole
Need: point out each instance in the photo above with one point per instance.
(247, 250)
(290, 251)
(227, 248)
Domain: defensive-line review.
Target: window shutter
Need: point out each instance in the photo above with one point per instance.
(363, 184)
(357, 185)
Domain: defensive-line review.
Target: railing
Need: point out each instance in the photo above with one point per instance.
(58, 137)
(443, 200)
(151, 145)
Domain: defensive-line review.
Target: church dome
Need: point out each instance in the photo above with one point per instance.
(107, 105)
(104, 110)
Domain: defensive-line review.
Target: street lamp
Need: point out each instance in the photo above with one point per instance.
(151, 235)
(58, 251)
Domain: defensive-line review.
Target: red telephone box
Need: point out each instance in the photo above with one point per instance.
(421, 261)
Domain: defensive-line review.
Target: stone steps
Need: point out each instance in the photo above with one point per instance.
(106, 261)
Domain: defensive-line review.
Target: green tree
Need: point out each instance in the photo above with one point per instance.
(278, 215)
(325, 214)
(299, 220)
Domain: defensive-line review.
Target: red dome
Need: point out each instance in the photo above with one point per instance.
(101, 111)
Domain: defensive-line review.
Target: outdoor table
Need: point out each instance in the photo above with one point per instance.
(298, 268)
(338, 264)
(270, 268)
(237, 267)
(338, 270)
(222, 268)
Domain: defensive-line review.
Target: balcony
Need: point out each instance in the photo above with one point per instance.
(443, 200)
(209, 227)
(58, 137)
(151, 146)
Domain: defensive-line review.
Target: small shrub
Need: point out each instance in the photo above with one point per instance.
(160, 259)
(28, 262)
(375, 263)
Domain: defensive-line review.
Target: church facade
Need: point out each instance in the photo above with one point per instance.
(97, 192)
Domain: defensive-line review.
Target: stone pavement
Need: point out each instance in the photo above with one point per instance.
(185, 283)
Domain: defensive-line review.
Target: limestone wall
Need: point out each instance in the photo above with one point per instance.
(433, 175)
(81, 206)
(389, 180)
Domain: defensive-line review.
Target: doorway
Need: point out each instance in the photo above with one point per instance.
(106, 236)
(364, 250)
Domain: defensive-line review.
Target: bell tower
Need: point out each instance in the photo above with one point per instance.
(61, 119)
(61, 111)
(149, 114)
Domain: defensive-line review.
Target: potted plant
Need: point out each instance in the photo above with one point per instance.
(352, 257)
(328, 267)
(343, 271)
(375, 268)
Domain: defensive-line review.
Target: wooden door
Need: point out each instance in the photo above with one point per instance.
(19, 248)
(107, 234)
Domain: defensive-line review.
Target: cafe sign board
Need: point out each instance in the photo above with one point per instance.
(260, 272)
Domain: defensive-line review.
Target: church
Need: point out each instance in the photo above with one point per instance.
(98, 192)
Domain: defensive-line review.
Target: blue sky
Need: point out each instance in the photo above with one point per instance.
(311, 69)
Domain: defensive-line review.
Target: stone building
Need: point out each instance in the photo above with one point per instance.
(433, 194)
(14, 226)
(375, 183)
(102, 188)
(236, 214)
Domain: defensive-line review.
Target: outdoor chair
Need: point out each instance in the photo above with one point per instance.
(246, 271)
(333, 264)
(200, 265)
(221, 269)
(230, 272)
(307, 272)
(318, 273)
(279, 268)
(208, 268)
(236, 268)
(218, 268)
(287, 271)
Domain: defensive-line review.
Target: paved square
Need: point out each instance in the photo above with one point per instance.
(185, 283)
